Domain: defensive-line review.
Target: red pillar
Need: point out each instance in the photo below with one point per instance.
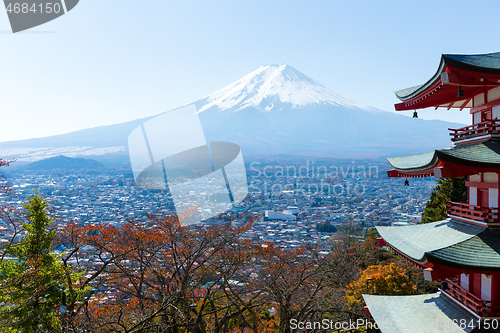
(476, 284)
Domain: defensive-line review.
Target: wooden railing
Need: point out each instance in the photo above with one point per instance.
(472, 212)
(479, 306)
(488, 127)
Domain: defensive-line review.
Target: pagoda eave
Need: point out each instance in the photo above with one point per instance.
(441, 269)
(442, 89)
(442, 169)
(454, 268)
(416, 174)
(444, 96)
(420, 263)
(458, 161)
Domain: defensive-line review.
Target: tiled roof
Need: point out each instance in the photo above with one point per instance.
(417, 240)
(481, 251)
(431, 313)
(484, 154)
(413, 162)
(449, 242)
(483, 63)
(407, 91)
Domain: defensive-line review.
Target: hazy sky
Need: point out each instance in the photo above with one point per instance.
(110, 61)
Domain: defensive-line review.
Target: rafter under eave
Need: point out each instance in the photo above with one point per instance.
(465, 103)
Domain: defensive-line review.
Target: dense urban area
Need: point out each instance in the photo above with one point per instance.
(290, 199)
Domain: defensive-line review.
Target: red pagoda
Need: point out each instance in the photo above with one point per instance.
(463, 251)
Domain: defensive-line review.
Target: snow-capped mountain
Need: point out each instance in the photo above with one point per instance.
(269, 87)
(273, 110)
(278, 110)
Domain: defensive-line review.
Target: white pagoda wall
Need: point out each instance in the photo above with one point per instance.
(478, 100)
(495, 112)
(486, 287)
(476, 117)
(494, 94)
(464, 281)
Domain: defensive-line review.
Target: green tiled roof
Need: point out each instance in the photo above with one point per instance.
(486, 153)
(431, 313)
(449, 242)
(416, 240)
(413, 162)
(484, 63)
(480, 252)
(489, 62)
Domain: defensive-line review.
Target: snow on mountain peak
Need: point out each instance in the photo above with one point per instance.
(268, 86)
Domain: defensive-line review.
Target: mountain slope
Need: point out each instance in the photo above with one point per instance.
(273, 110)
(269, 87)
(107, 144)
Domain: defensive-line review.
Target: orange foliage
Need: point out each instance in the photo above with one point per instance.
(156, 274)
(379, 280)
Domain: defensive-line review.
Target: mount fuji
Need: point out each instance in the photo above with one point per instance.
(274, 110)
(278, 110)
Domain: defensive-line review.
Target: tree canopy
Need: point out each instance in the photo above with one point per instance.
(34, 280)
(379, 279)
(447, 189)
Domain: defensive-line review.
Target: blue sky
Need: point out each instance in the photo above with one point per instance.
(107, 62)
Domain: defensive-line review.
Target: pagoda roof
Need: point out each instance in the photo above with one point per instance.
(473, 73)
(482, 250)
(432, 313)
(417, 240)
(484, 63)
(449, 242)
(413, 162)
(484, 154)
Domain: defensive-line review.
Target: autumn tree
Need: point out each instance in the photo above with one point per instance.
(293, 281)
(387, 279)
(4, 188)
(10, 216)
(160, 275)
(346, 258)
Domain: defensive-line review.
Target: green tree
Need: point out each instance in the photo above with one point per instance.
(325, 227)
(34, 282)
(448, 189)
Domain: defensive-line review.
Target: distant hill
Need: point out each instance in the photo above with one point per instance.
(64, 163)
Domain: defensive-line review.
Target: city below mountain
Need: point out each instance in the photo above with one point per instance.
(64, 163)
(275, 110)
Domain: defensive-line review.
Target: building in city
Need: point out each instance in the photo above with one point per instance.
(463, 251)
(271, 215)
